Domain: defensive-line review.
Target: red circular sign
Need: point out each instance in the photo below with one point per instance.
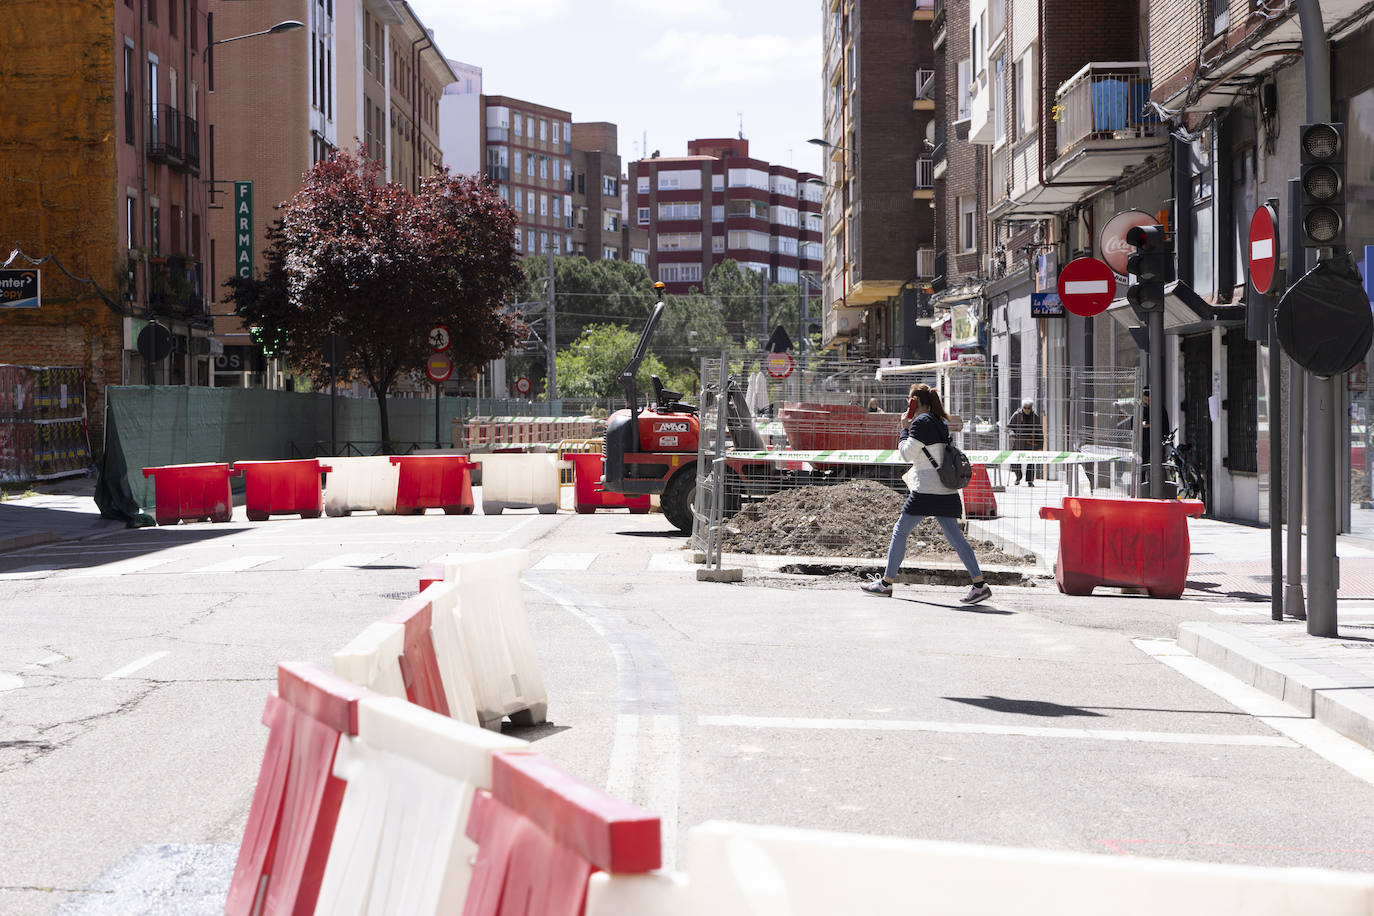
(522, 385)
(1112, 243)
(1264, 248)
(439, 367)
(779, 365)
(1086, 286)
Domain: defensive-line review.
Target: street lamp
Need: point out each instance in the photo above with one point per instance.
(286, 25)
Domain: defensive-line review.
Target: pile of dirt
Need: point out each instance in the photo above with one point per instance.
(851, 519)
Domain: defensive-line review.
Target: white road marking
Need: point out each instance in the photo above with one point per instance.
(347, 561)
(578, 562)
(508, 532)
(670, 561)
(10, 682)
(133, 666)
(237, 564)
(1240, 611)
(27, 572)
(123, 567)
(970, 728)
(1355, 759)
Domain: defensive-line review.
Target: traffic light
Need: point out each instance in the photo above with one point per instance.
(1322, 161)
(1152, 265)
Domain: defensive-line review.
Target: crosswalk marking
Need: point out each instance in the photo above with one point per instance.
(237, 564)
(565, 561)
(347, 561)
(123, 567)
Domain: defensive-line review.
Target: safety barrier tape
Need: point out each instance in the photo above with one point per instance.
(892, 456)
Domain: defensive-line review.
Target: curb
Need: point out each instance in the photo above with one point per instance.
(1342, 708)
(20, 541)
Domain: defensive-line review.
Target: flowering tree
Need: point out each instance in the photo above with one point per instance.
(378, 267)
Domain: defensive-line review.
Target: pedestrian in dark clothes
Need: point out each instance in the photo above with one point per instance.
(1026, 436)
(924, 432)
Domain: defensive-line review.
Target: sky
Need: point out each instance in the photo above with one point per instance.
(672, 69)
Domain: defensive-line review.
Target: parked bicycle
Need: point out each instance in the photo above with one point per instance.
(1180, 470)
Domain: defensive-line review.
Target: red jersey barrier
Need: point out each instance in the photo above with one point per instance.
(419, 666)
(1123, 542)
(296, 803)
(282, 488)
(433, 482)
(191, 491)
(541, 834)
(588, 493)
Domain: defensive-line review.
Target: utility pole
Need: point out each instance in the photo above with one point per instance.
(552, 342)
(763, 280)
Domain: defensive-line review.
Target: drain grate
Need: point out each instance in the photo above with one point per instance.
(397, 596)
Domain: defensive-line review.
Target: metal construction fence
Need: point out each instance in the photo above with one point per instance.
(763, 435)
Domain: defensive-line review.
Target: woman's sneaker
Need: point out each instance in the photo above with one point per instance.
(877, 587)
(976, 593)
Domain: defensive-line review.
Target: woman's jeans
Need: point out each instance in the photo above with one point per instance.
(950, 526)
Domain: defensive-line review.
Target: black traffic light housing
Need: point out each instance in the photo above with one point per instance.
(1322, 162)
(1151, 266)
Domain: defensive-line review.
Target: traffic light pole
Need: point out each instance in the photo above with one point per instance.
(1321, 392)
(1154, 327)
(1293, 604)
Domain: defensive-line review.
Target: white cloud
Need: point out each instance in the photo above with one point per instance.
(462, 16)
(677, 10)
(706, 60)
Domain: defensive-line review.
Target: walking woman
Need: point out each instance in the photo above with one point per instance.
(925, 430)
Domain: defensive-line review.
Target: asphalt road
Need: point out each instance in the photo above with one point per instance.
(134, 667)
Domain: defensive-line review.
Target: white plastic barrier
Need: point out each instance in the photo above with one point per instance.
(372, 659)
(400, 844)
(451, 649)
(361, 484)
(505, 669)
(738, 870)
(519, 481)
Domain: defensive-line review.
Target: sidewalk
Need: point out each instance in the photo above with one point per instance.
(60, 510)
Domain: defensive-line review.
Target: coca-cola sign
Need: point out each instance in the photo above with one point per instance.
(1112, 244)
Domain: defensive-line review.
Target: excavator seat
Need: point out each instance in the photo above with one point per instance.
(669, 400)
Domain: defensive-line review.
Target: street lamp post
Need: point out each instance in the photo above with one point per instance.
(286, 25)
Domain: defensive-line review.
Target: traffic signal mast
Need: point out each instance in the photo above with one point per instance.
(1322, 160)
(1151, 267)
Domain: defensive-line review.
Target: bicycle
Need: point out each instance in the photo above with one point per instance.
(1179, 469)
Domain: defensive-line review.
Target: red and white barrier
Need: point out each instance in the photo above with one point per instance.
(506, 678)
(396, 657)
(372, 659)
(451, 649)
(739, 870)
(361, 484)
(541, 833)
(400, 844)
(291, 822)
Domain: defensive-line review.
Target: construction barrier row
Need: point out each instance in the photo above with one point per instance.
(488, 432)
(404, 484)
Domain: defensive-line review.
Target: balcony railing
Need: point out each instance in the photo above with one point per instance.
(925, 262)
(937, 155)
(498, 135)
(1107, 101)
(498, 172)
(164, 134)
(1001, 179)
(175, 285)
(925, 84)
(193, 146)
(925, 173)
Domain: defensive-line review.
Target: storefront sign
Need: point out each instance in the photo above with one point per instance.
(243, 228)
(964, 326)
(1046, 305)
(19, 289)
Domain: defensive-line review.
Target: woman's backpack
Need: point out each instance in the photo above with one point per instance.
(956, 472)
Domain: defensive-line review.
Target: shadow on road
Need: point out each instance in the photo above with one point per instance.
(1025, 707)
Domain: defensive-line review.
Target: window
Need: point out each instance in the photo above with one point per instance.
(543, 241)
(643, 216)
(152, 10)
(679, 241)
(679, 180)
(640, 256)
(967, 237)
(679, 273)
(782, 216)
(529, 240)
(518, 157)
(557, 207)
(965, 87)
(543, 168)
(750, 239)
(999, 101)
(610, 254)
(1026, 93)
(642, 184)
(129, 78)
(529, 203)
(155, 230)
(519, 122)
(683, 210)
(529, 166)
(130, 221)
(519, 241)
(556, 127)
(543, 131)
(718, 213)
(519, 198)
(367, 40)
(717, 243)
(748, 178)
(610, 186)
(610, 221)
(543, 205)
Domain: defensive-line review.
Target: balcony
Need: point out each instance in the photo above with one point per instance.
(192, 146)
(164, 135)
(925, 89)
(498, 172)
(925, 263)
(841, 324)
(923, 11)
(937, 24)
(498, 134)
(1105, 124)
(937, 155)
(1000, 180)
(925, 177)
(175, 286)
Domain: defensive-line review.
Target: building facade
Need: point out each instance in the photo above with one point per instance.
(878, 136)
(527, 151)
(460, 120)
(101, 171)
(717, 203)
(597, 217)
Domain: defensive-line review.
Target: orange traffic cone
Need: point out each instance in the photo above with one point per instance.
(979, 501)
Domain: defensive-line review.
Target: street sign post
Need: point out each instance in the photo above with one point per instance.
(522, 385)
(439, 338)
(1264, 248)
(1086, 286)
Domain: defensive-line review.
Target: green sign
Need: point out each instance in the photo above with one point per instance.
(243, 228)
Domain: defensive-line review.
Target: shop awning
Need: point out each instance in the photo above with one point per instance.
(1185, 312)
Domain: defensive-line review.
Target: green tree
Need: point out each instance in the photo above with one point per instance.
(590, 366)
(737, 294)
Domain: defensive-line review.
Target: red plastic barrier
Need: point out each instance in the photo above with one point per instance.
(419, 664)
(431, 573)
(979, 500)
(433, 482)
(540, 835)
(1139, 543)
(296, 803)
(191, 491)
(588, 493)
(282, 488)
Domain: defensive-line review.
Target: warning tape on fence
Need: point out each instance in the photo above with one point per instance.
(892, 456)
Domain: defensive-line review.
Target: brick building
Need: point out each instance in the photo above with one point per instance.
(597, 217)
(717, 203)
(105, 101)
(527, 149)
(879, 131)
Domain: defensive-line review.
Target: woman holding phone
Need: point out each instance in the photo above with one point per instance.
(924, 432)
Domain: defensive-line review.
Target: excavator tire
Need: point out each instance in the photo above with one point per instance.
(678, 497)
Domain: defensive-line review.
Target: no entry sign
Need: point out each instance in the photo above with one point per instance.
(779, 365)
(439, 367)
(1086, 286)
(1264, 248)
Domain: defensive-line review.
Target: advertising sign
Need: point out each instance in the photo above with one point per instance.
(19, 289)
(1046, 305)
(243, 228)
(1112, 240)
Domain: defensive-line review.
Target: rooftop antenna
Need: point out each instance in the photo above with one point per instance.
(741, 124)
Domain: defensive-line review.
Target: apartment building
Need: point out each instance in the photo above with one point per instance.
(460, 120)
(103, 158)
(527, 149)
(879, 215)
(597, 216)
(418, 74)
(718, 203)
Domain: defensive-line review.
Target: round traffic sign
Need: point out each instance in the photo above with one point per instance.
(522, 385)
(439, 367)
(1323, 320)
(1264, 248)
(439, 338)
(1112, 240)
(778, 365)
(1086, 286)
